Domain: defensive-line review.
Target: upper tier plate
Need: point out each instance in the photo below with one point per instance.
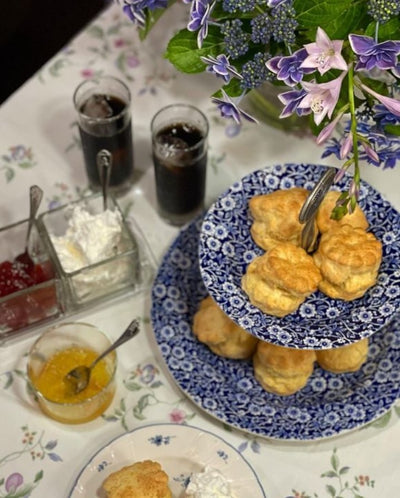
(226, 248)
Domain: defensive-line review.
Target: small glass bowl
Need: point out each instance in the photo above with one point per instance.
(41, 299)
(96, 282)
(46, 382)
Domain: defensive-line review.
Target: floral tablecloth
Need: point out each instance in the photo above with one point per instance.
(39, 144)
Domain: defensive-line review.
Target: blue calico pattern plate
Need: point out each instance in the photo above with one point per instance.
(226, 248)
(329, 405)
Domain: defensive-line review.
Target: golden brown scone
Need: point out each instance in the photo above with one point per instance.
(144, 479)
(279, 281)
(344, 359)
(356, 219)
(223, 336)
(276, 217)
(349, 260)
(282, 370)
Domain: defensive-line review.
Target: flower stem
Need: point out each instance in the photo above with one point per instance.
(353, 126)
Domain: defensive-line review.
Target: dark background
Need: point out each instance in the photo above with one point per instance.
(32, 31)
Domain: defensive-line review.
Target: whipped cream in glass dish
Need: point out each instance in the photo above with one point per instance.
(96, 253)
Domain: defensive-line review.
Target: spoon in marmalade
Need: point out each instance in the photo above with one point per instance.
(78, 378)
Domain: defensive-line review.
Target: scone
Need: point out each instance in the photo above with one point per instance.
(356, 219)
(215, 329)
(282, 370)
(348, 358)
(349, 260)
(280, 280)
(276, 217)
(144, 479)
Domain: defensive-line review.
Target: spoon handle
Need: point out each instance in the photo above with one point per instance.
(104, 165)
(35, 198)
(129, 333)
(316, 195)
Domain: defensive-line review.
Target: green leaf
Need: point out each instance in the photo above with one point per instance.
(392, 129)
(96, 32)
(336, 17)
(38, 476)
(132, 386)
(329, 473)
(331, 490)
(152, 18)
(334, 461)
(10, 173)
(387, 31)
(183, 53)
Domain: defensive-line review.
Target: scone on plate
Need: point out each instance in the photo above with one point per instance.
(280, 280)
(222, 335)
(349, 260)
(347, 358)
(282, 370)
(144, 479)
(356, 219)
(276, 217)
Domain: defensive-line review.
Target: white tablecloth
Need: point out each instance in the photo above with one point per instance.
(39, 144)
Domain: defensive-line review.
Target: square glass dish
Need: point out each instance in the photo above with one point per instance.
(94, 251)
(30, 292)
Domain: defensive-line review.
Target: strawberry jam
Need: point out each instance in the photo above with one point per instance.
(25, 308)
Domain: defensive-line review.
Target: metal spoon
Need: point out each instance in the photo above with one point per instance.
(35, 198)
(104, 165)
(78, 378)
(310, 208)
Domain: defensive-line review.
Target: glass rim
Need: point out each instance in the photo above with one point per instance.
(182, 105)
(97, 80)
(82, 402)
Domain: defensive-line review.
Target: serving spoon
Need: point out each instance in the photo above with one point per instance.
(104, 165)
(78, 378)
(35, 198)
(310, 208)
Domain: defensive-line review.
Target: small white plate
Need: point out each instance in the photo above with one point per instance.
(180, 450)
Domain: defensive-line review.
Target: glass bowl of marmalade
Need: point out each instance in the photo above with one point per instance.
(57, 351)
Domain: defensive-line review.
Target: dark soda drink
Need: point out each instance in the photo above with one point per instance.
(107, 125)
(180, 160)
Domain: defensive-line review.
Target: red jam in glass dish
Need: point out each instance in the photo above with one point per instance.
(26, 301)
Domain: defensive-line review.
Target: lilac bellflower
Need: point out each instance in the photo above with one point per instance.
(135, 9)
(288, 68)
(371, 54)
(322, 98)
(229, 109)
(200, 12)
(220, 66)
(393, 105)
(324, 54)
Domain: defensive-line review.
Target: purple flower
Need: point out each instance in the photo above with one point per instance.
(288, 68)
(200, 12)
(393, 105)
(346, 146)
(324, 54)
(322, 98)
(220, 66)
(371, 54)
(385, 117)
(229, 109)
(291, 101)
(135, 9)
(13, 482)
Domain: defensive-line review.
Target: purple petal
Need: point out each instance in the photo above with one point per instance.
(13, 482)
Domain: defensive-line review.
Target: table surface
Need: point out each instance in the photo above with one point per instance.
(39, 144)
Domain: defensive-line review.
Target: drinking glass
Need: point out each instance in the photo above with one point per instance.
(179, 145)
(105, 124)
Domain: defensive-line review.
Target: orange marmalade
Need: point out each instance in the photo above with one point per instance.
(50, 381)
